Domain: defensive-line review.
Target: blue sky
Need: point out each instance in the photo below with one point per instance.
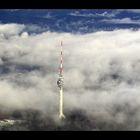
(74, 20)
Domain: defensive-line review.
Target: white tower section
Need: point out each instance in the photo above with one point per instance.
(60, 85)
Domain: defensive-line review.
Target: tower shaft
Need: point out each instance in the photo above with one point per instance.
(60, 85)
(61, 115)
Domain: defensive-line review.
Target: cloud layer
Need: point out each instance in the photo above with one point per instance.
(101, 75)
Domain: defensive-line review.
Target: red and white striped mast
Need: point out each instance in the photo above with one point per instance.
(60, 83)
(61, 60)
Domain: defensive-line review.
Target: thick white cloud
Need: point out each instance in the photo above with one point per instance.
(11, 29)
(101, 74)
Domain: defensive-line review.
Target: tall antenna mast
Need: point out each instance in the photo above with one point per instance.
(60, 84)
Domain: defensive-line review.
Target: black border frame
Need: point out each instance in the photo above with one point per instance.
(69, 4)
